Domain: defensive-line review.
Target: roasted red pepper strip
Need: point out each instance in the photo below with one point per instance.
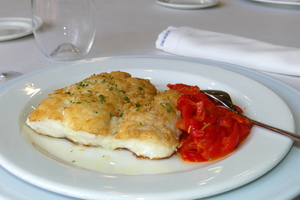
(210, 131)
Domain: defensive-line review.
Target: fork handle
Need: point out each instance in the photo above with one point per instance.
(277, 130)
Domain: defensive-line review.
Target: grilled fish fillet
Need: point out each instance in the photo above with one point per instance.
(114, 111)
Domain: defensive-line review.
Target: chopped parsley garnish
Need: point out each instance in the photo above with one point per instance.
(102, 97)
(81, 84)
(138, 105)
(169, 109)
(163, 105)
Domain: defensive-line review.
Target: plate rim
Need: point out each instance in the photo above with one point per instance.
(209, 3)
(25, 21)
(293, 3)
(117, 58)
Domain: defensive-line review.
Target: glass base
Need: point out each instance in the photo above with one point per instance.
(8, 75)
(66, 51)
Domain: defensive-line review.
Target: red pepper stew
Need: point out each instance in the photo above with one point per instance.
(210, 130)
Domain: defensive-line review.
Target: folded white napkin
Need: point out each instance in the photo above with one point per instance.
(254, 54)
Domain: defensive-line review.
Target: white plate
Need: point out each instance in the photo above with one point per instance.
(250, 161)
(188, 4)
(282, 2)
(12, 28)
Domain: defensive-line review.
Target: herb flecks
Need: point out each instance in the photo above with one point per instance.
(102, 98)
(169, 109)
(168, 106)
(138, 105)
(83, 85)
(163, 105)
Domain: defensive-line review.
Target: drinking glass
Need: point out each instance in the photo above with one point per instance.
(64, 29)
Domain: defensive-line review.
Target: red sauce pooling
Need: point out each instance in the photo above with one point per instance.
(210, 130)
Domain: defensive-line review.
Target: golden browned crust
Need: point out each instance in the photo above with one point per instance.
(153, 121)
(112, 107)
